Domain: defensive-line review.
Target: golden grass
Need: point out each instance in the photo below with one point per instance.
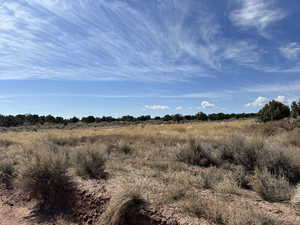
(145, 156)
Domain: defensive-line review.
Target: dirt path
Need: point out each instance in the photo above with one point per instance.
(14, 215)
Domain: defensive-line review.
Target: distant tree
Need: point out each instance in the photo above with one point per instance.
(128, 118)
(32, 119)
(201, 116)
(59, 120)
(295, 109)
(144, 118)
(74, 120)
(50, 119)
(167, 117)
(274, 110)
(20, 119)
(177, 118)
(89, 119)
(189, 117)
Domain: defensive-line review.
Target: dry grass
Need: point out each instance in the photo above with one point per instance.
(175, 162)
(89, 162)
(44, 176)
(220, 212)
(272, 188)
(122, 206)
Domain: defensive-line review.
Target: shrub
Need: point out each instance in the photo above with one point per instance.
(44, 176)
(125, 148)
(123, 205)
(218, 179)
(7, 173)
(243, 152)
(272, 188)
(220, 212)
(198, 154)
(90, 163)
(281, 162)
(273, 111)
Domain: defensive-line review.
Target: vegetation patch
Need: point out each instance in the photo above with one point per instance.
(90, 162)
(45, 177)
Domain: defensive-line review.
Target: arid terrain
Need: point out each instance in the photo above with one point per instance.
(237, 172)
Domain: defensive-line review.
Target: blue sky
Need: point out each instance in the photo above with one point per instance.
(117, 57)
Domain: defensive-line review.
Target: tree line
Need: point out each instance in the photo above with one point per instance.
(273, 110)
(30, 119)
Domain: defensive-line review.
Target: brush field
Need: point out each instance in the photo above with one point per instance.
(236, 172)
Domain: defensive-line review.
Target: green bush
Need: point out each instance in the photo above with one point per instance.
(273, 111)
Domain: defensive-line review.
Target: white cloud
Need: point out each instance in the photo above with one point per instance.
(179, 108)
(281, 99)
(206, 105)
(260, 101)
(291, 50)
(256, 13)
(157, 107)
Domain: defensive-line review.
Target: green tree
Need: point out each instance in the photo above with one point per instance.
(274, 110)
(295, 109)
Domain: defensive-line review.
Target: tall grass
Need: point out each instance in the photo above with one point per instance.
(44, 175)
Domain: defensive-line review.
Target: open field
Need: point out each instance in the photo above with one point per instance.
(231, 173)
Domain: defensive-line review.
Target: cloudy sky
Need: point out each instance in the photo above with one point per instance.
(116, 57)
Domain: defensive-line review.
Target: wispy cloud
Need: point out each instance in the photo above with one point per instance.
(276, 87)
(157, 107)
(178, 108)
(256, 13)
(104, 40)
(291, 50)
(164, 41)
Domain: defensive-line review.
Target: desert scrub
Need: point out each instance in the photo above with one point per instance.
(7, 173)
(123, 205)
(198, 154)
(44, 176)
(272, 188)
(125, 148)
(219, 180)
(90, 161)
(220, 212)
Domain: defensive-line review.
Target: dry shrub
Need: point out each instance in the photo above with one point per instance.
(225, 213)
(4, 143)
(63, 141)
(248, 153)
(281, 161)
(243, 152)
(125, 148)
(272, 188)
(90, 162)
(123, 205)
(218, 179)
(175, 192)
(7, 173)
(293, 138)
(198, 154)
(44, 176)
